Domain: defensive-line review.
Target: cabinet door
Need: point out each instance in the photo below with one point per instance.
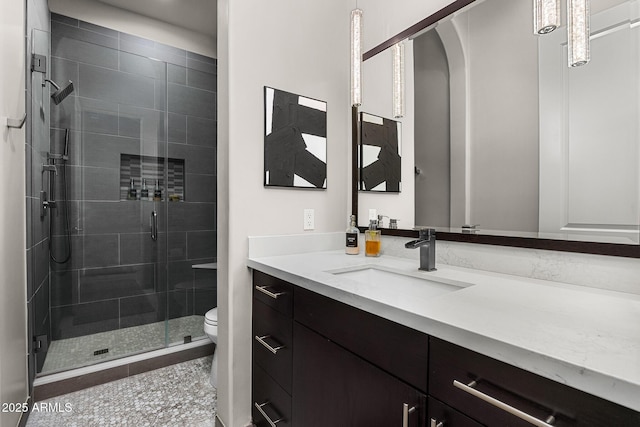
(333, 387)
(441, 415)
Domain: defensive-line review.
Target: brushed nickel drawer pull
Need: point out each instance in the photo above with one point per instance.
(262, 341)
(435, 423)
(264, 414)
(405, 414)
(268, 293)
(499, 404)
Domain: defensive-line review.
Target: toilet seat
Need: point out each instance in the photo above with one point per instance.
(211, 317)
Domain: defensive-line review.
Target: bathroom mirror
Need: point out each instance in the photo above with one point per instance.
(499, 133)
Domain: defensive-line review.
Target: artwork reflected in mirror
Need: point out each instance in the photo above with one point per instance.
(295, 141)
(380, 155)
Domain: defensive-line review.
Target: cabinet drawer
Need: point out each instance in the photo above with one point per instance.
(274, 292)
(527, 392)
(438, 413)
(269, 401)
(272, 340)
(397, 349)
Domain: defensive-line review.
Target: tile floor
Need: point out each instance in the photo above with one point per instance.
(77, 352)
(178, 395)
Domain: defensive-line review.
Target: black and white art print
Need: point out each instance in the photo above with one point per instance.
(380, 154)
(295, 141)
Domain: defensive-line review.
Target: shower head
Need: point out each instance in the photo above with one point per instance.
(60, 94)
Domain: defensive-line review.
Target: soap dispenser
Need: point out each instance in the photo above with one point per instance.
(144, 192)
(372, 241)
(132, 193)
(353, 236)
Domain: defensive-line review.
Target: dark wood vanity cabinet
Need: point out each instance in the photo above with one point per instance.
(352, 368)
(272, 350)
(334, 387)
(320, 362)
(330, 364)
(477, 386)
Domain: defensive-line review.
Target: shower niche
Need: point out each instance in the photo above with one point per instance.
(144, 178)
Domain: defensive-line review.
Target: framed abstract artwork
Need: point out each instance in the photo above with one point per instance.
(295, 140)
(380, 154)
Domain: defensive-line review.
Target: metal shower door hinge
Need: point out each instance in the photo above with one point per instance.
(38, 63)
(40, 343)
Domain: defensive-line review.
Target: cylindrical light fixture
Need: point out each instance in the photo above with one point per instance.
(578, 32)
(356, 57)
(397, 51)
(546, 16)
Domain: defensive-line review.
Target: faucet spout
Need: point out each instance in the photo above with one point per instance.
(427, 244)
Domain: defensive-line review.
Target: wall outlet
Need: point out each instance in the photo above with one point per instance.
(373, 214)
(309, 219)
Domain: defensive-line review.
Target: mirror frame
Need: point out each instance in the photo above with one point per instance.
(597, 248)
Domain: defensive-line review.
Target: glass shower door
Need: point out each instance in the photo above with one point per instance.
(109, 300)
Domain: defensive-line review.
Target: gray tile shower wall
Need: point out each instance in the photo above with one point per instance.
(126, 103)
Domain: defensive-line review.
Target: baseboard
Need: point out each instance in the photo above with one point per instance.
(75, 383)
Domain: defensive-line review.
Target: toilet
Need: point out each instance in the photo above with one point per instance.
(211, 329)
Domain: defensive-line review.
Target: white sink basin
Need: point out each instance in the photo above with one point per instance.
(380, 278)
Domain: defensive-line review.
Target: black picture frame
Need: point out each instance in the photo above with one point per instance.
(295, 140)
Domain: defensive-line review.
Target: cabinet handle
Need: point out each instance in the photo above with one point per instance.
(268, 293)
(262, 341)
(264, 414)
(435, 423)
(499, 404)
(405, 414)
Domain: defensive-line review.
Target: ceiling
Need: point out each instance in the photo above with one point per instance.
(195, 15)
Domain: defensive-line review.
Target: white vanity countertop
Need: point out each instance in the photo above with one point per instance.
(583, 337)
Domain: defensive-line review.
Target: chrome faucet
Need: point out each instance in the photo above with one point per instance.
(427, 244)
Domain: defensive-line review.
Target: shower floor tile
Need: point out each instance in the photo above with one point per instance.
(77, 352)
(177, 395)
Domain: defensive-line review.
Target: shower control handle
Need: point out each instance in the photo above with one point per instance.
(154, 226)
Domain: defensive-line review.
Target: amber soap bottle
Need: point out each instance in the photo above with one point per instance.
(372, 244)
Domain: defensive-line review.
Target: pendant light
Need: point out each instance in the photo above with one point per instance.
(578, 32)
(546, 16)
(356, 57)
(397, 51)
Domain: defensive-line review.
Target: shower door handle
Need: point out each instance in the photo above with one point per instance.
(154, 226)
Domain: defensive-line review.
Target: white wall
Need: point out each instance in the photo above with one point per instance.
(102, 14)
(13, 294)
(297, 46)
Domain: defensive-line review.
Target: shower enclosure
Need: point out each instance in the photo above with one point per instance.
(123, 194)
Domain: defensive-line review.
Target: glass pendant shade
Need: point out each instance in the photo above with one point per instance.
(578, 32)
(397, 51)
(546, 16)
(356, 57)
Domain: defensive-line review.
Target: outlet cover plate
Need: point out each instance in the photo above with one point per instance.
(309, 219)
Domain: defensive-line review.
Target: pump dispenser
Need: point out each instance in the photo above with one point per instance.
(372, 244)
(353, 236)
(133, 193)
